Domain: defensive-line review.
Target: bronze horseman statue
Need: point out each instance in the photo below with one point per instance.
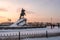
(22, 13)
(21, 21)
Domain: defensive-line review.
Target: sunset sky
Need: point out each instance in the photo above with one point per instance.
(36, 10)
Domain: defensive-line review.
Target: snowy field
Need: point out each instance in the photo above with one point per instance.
(31, 32)
(50, 38)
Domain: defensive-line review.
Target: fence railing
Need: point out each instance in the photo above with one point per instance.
(18, 35)
(9, 35)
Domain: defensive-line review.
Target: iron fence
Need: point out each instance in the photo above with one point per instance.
(9, 36)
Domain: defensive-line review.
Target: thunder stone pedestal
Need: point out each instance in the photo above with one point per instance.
(21, 22)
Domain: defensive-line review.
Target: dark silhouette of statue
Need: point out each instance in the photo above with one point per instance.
(22, 13)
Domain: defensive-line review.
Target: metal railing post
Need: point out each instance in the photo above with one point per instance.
(19, 35)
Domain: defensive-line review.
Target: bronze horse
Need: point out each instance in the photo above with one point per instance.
(22, 13)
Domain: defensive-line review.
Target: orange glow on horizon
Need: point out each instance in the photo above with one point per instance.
(9, 10)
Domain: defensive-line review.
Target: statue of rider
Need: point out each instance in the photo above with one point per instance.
(22, 13)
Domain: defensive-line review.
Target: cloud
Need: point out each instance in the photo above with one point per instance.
(2, 17)
(3, 9)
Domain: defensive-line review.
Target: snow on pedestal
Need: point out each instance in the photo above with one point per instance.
(19, 23)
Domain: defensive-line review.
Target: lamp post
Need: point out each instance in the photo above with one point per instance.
(51, 23)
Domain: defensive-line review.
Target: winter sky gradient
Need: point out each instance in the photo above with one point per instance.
(36, 10)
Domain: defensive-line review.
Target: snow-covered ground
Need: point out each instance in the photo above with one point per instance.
(50, 38)
(31, 32)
